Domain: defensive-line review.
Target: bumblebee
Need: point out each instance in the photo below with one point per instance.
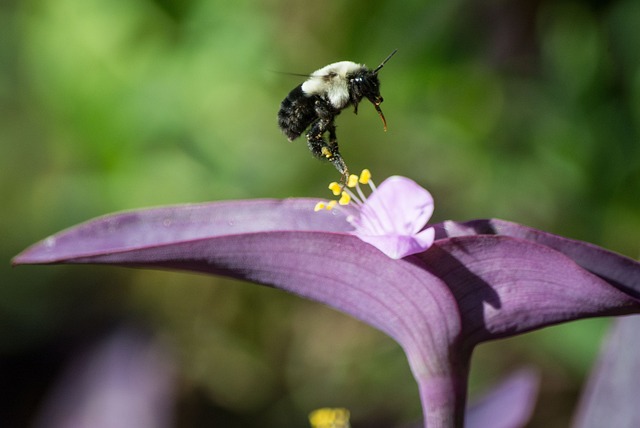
(315, 103)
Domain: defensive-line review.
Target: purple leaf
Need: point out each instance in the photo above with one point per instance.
(611, 396)
(173, 224)
(479, 281)
(125, 382)
(505, 286)
(508, 405)
(618, 270)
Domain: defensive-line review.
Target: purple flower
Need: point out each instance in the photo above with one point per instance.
(393, 217)
(479, 281)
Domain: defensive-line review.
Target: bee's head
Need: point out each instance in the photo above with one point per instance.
(365, 84)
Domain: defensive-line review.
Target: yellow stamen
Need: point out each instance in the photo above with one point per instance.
(365, 176)
(335, 188)
(344, 199)
(345, 193)
(352, 180)
(329, 418)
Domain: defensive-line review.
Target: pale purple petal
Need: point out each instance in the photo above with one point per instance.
(399, 246)
(392, 217)
(611, 396)
(402, 206)
(508, 405)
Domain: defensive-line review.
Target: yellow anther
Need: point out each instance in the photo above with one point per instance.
(352, 180)
(335, 188)
(329, 418)
(344, 199)
(326, 153)
(344, 193)
(365, 176)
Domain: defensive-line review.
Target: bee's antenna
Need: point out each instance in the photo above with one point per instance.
(385, 61)
(290, 74)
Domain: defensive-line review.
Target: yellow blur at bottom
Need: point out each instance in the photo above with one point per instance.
(329, 418)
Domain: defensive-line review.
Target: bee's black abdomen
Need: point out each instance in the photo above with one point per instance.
(297, 112)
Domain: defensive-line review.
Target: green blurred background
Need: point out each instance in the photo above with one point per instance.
(523, 110)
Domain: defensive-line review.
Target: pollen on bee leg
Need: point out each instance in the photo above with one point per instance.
(326, 153)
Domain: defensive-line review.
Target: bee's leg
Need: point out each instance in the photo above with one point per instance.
(322, 150)
(326, 114)
(337, 161)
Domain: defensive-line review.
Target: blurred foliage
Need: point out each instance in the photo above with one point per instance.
(527, 111)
